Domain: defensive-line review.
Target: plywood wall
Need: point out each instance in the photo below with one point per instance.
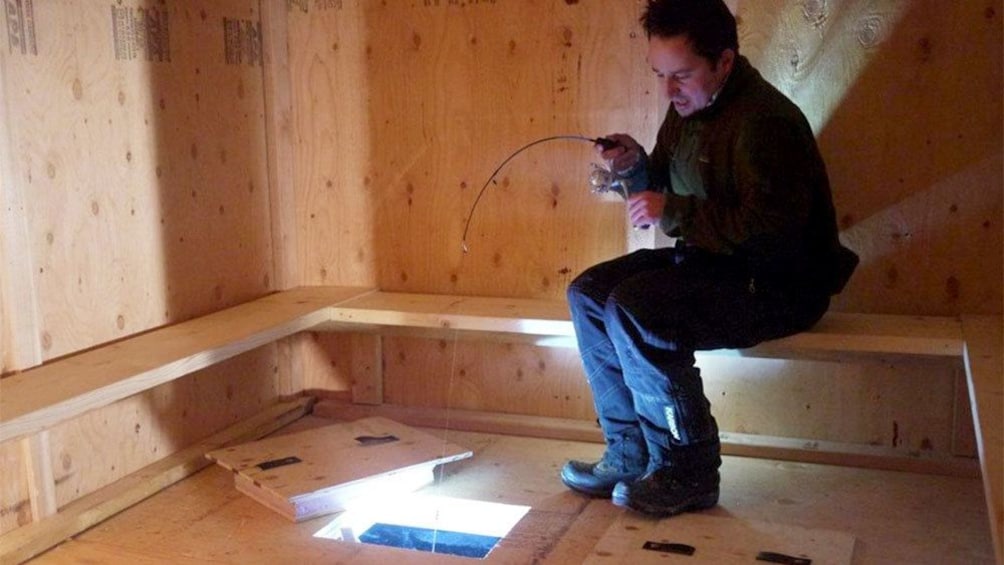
(133, 175)
(404, 108)
(137, 153)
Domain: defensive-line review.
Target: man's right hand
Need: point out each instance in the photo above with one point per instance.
(624, 156)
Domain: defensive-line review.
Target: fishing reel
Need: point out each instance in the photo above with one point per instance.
(603, 180)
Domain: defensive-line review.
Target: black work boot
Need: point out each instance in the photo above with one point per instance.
(599, 478)
(667, 491)
(625, 459)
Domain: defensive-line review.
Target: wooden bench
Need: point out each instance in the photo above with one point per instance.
(33, 401)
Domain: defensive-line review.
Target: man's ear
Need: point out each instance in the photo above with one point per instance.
(726, 60)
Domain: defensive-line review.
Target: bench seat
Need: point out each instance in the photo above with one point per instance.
(547, 322)
(39, 398)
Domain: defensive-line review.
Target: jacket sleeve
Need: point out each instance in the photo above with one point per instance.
(767, 200)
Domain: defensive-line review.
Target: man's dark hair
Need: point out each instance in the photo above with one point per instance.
(708, 24)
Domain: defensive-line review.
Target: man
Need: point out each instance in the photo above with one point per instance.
(737, 178)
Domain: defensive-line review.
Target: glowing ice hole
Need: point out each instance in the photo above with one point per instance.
(424, 522)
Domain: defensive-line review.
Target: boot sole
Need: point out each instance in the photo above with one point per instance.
(594, 493)
(693, 504)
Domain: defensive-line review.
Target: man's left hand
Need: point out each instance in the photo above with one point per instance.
(645, 208)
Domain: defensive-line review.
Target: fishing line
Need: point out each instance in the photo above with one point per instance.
(601, 141)
(446, 433)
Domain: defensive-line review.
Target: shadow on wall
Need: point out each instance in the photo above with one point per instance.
(905, 99)
(914, 152)
(137, 140)
(211, 173)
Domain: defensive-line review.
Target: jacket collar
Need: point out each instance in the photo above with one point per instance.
(742, 72)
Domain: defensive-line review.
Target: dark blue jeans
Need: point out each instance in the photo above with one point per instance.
(638, 320)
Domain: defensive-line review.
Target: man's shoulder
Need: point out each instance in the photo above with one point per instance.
(758, 97)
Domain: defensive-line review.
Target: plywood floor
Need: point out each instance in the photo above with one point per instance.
(896, 517)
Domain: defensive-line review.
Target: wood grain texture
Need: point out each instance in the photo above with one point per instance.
(487, 79)
(334, 198)
(366, 368)
(392, 205)
(75, 552)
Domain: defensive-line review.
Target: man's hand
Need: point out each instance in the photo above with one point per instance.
(625, 155)
(645, 208)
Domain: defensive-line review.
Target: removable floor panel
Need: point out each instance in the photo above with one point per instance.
(702, 538)
(320, 471)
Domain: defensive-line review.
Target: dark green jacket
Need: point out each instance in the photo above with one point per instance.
(744, 177)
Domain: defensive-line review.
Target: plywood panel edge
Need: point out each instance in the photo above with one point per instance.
(281, 189)
(279, 143)
(20, 345)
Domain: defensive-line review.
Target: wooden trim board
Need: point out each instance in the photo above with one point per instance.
(41, 481)
(446, 312)
(985, 370)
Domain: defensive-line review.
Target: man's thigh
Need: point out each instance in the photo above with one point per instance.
(699, 307)
(600, 280)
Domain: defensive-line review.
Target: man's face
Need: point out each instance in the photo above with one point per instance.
(686, 78)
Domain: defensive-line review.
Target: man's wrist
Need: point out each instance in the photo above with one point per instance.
(636, 176)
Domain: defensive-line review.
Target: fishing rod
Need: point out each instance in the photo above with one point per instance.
(603, 142)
